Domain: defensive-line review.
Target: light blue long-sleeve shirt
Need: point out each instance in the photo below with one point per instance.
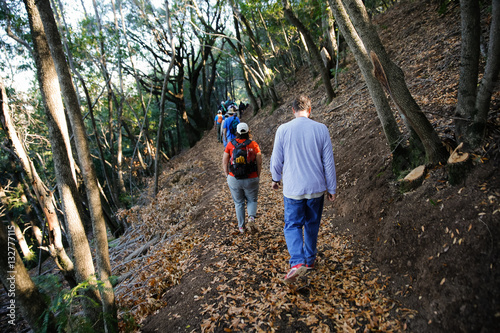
(303, 155)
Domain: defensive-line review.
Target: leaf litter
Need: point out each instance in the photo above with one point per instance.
(243, 288)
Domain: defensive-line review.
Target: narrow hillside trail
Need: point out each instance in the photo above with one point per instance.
(422, 261)
(234, 283)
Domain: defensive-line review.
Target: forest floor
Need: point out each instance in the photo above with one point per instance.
(423, 261)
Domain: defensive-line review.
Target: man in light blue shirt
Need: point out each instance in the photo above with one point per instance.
(303, 158)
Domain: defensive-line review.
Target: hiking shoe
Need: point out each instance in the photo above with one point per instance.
(295, 272)
(241, 229)
(252, 226)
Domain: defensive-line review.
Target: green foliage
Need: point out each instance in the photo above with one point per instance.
(125, 198)
(113, 279)
(65, 305)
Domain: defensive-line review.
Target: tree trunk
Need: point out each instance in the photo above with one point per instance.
(490, 77)
(50, 89)
(44, 196)
(119, 136)
(434, 149)
(212, 79)
(21, 241)
(385, 115)
(469, 67)
(202, 117)
(413, 180)
(32, 210)
(21, 290)
(458, 166)
(88, 171)
(245, 68)
(180, 103)
(315, 55)
(329, 36)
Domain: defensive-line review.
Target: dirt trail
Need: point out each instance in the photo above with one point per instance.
(234, 282)
(425, 260)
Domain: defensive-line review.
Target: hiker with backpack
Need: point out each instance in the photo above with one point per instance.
(230, 125)
(222, 108)
(242, 164)
(217, 124)
(303, 158)
(242, 107)
(223, 137)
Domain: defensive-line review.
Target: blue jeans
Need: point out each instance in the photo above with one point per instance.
(244, 190)
(302, 219)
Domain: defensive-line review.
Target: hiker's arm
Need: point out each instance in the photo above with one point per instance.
(259, 163)
(225, 161)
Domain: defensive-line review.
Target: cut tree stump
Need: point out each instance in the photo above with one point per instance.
(459, 166)
(413, 180)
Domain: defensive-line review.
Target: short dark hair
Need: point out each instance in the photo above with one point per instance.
(301, 103)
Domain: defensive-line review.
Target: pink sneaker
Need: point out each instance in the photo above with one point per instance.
(295, 272)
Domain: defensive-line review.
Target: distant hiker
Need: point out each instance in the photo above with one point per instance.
(230, 125)
(228, 104)
(237, 110)
(242, 164)
(223, 137)
(303, 156)
(222, 108)
(217, 124)
(242, 107)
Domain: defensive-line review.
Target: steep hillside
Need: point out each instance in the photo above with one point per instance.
(424, 261)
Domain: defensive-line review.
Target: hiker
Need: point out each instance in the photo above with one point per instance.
(237, 110)
(217, 124)
(242, 164)
(229, 128)
(224, 142)
(242, 107)
(303, 158)
(222, 108)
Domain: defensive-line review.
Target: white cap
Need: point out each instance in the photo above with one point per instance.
(242, 128)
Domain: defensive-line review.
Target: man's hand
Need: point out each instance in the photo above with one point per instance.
(276, 185)
(331, 197)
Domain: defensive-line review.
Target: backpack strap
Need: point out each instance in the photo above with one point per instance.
(240, 145)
